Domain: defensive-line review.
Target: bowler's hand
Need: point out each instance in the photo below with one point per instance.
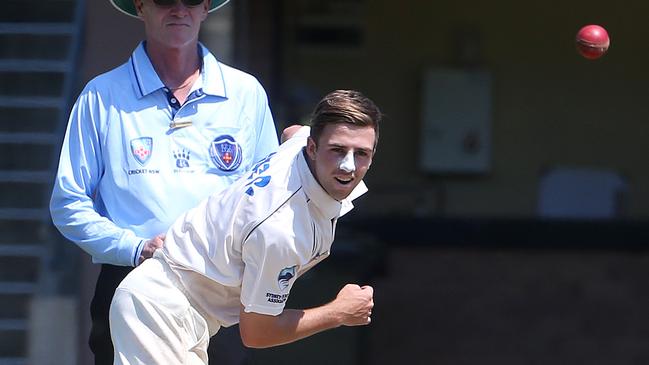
(355, 304)
(150, 246)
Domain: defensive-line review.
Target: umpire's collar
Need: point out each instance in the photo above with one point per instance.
(147, 80)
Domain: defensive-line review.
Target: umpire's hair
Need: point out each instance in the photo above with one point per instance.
(345, 106)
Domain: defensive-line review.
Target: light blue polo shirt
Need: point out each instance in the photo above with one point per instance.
(133, 159)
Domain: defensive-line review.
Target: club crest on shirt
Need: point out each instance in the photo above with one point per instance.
(142, 148)
(285, 276)
(226, 153)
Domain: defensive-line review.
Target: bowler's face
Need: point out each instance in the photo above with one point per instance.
(341, 158)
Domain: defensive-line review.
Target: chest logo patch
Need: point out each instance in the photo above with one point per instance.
(285, 276)
(142, 148)
(226, 153)
(182, 158)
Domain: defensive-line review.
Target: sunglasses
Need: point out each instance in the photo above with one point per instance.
(187, 3)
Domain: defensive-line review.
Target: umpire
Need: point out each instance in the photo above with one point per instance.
(150, 139)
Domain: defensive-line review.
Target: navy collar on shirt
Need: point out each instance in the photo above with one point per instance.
(147, 80)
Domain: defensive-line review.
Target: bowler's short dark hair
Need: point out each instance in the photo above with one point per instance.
(345, 106)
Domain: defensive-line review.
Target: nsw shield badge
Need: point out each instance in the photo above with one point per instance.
(141, 148)
(226, 153)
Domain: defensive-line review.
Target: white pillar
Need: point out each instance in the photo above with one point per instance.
(53, 327)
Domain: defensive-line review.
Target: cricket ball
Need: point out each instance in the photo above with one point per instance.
(592, 41)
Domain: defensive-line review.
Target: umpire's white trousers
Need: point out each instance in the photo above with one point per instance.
(153, 323)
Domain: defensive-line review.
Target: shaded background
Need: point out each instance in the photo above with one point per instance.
(527, 246)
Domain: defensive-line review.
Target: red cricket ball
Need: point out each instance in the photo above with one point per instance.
(592, 41)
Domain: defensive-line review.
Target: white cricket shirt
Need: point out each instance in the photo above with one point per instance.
(250, 242)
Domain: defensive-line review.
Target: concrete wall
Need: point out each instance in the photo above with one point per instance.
(110, 38)
(450, 306)
(550, 106)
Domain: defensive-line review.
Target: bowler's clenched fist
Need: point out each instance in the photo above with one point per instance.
(355, 304)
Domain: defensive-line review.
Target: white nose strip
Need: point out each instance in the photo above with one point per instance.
(347, 163)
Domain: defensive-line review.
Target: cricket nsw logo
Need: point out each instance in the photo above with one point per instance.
(141, 148)
(226, 153)
(285, 276)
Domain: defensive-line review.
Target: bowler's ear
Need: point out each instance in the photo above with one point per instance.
(311, 148)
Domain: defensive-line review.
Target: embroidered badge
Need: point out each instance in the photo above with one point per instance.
(142, 148)
(182, 158)
(285, 276)
(226, 153)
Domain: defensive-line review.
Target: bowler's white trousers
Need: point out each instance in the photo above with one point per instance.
(153, 323)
